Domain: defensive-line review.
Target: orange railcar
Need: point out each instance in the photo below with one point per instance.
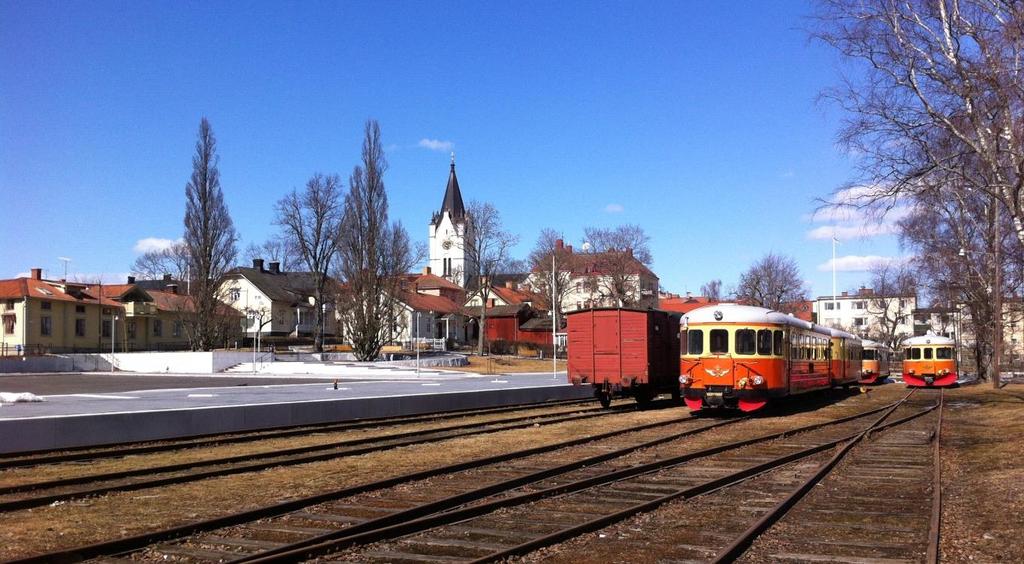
(876, 362)
(622, 351)
(929, 361)
(743, 356)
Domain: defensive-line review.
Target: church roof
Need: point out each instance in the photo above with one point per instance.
(452, 199)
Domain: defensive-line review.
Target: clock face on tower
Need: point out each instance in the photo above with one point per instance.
(447, 245)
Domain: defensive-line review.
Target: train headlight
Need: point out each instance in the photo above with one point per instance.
(742, 383)
(757, 380)
(685, 380)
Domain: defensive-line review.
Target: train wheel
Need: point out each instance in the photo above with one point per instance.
(605, 398)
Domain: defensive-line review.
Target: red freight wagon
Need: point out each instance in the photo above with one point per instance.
(622, 351)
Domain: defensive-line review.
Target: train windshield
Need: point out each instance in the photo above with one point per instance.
(869, 354)
(719, 341)
(914, 353)
(944, 353)
(694, 341)
(745, 341)
(927, 354)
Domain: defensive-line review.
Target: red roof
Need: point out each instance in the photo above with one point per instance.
(605, 263)
(427, 302)
(682, 304)
(19, 288)
(513, 296)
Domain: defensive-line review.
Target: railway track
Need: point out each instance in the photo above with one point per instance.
(120, 450)
(521, 520)
(87, 485)
(620, 479)
(890, 485)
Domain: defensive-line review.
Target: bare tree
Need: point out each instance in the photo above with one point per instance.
(372, 253)
(154, 264)
(712, 290)
(892, 284)
(310, 223)
(940, 99)
(274, 249)
(772, 281)
(210, 242)
(487, 247)
(617, 260)
(549, 262)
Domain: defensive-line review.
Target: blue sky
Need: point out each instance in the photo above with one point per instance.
(698, 121)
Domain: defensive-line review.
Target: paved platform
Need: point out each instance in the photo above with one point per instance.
(94, 409)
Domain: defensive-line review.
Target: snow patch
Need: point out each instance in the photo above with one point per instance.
(24, 397)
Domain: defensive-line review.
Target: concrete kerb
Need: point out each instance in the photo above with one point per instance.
(98, 429)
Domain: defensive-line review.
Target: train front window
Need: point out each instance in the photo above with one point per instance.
(869, 355)
(944, 353)
(928, 354)
(764, 342)
(915, 353)
(695, 341)
(719, 341)
(777, 343)
(745, 341)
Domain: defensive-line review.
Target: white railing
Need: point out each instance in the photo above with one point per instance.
(425, 344)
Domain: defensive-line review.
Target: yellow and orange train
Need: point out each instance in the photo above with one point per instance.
(929, 361)
(743, 356)
(877, 362)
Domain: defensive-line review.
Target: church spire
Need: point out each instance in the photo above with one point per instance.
(453, 197)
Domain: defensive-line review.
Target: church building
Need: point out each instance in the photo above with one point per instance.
(449, 232)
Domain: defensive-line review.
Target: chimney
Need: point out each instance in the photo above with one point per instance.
(559, 244)
(426, 270)
(167, 277)
(845, 294)
(569, 248)
(131, 279)
(510, 284)
(629, 251)
(258, 264)
(275, 267)
(37, 273)
(172, 288)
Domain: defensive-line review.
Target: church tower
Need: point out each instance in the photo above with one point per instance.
(448, 231)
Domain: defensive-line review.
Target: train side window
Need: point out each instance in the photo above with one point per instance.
(777, 343)
(745, 341)
(764, 342)
(869, 355)
(719, 341)
(944, 353)
(695, 341)
(915, 353)
(928, 354)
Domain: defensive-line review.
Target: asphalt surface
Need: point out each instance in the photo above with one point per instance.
(82, 383)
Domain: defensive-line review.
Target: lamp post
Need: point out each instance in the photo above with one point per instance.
(554, 318)
(113, 339)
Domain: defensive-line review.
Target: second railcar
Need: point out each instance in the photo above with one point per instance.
(877, 357)
(623, 351)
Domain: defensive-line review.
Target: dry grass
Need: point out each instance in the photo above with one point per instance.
(496, 364)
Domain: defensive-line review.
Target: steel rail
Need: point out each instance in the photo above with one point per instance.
(118, 450)
(80, 553)
(349, 537)
(740, 544)
(932, 554)
(298, 456)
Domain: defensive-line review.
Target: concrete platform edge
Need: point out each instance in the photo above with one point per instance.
(21, 435)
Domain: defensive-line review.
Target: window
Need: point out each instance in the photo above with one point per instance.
(745, 341)
(45, 325)
(869, 355)
(695, 341)
(79, 309)
(719, 341)
(9, 305)
(777, 343)
(944, 353)
(915, 353)
(46, 305)
(131, 329)
(859, 321)
(176, 331)
(860, 305)
(80, 327)
(105, 328)
(831, 305)
(9, 322)
(235, 294)
(158, 328)
(928, 354)
(764, 342)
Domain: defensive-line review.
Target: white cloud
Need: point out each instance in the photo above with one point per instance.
(154, 244)
(847, 232)
(614, 208)
(857, 263)
(436, 144)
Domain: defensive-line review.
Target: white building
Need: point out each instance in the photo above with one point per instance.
(866, 313)
(448, 231)
(595, 279)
